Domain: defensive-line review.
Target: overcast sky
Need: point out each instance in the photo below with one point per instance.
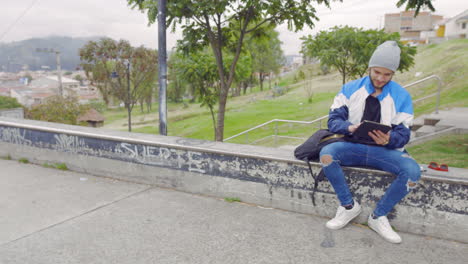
(24, 19)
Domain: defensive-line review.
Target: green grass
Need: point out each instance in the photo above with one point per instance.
(61, 166)
(449, 61)
(451, 150)
(7, 157)
(47, 165)
(23, 160)
(244, 115)
(232, 199)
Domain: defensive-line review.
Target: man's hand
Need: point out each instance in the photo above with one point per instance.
(379, 137)
(353, 128)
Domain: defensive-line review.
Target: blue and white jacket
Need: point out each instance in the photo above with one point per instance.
(395, 104)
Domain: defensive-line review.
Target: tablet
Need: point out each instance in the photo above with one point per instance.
(367, 126)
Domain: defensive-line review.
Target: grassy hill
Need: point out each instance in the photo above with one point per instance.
(448, 60)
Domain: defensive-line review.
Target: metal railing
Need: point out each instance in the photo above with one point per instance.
(276, 126)
(319, 120)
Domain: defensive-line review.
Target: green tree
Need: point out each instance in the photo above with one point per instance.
(416, 4)
(127, 73)
(8, 102)
(349, 49)
(148, 92)
(58, 109)
(79, 78)
(243, 72)
(224, 24)
(267, 55)
(176, 84)
(97, 65)
(200, 71)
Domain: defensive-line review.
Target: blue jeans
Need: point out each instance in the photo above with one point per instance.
(399, 163)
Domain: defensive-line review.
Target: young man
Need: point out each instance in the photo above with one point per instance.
(376, 98)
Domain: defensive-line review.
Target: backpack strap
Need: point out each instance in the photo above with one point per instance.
(317, 179)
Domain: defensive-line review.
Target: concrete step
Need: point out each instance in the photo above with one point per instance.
(440, 128)
(431, 121)
(460, 123)
(425, 130)
(416, 127)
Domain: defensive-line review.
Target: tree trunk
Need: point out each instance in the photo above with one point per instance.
(216, 43)
(261, 77)
(214, 120)
(129, 112)
(269, 81)
(219, 131)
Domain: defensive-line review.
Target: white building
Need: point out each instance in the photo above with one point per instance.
(29, 97)
(457, 26)
(52, 82)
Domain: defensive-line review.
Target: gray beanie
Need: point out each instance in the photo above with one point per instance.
(387, 55)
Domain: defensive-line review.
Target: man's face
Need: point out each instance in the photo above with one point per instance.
(380, 76)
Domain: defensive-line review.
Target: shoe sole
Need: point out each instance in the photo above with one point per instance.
(386, 239)
(339, 227)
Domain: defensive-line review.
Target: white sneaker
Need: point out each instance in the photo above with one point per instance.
(383, 228)
(343, 216)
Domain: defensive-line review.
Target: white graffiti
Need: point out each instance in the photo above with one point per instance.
(146, 154)
(161, 156)
(13, 135)
(195, 162)
(69, 143)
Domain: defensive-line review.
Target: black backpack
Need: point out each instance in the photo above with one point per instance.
(310, 150)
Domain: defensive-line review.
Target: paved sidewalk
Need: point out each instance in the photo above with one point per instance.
(51, 216)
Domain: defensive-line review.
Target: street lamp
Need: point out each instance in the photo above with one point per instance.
(59, 68)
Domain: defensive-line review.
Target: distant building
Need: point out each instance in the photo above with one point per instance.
(29, 97)
(7, 86)
(457, 26)
(292, 62)
(70, 87)
(410, 27)
(52, 82)
(43, 86)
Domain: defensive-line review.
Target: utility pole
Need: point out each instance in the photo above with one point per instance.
(59, 67)
(162, 58)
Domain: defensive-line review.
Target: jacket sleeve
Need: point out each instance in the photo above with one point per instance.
(401, 123)
(399, 136)
(338, 120)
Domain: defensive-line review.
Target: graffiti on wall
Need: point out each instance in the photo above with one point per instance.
(14, 135)
(228, 166)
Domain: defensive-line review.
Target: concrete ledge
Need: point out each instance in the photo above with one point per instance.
(264, 176)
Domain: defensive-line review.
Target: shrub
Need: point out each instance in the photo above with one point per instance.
(58, 109)
(8, 102)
